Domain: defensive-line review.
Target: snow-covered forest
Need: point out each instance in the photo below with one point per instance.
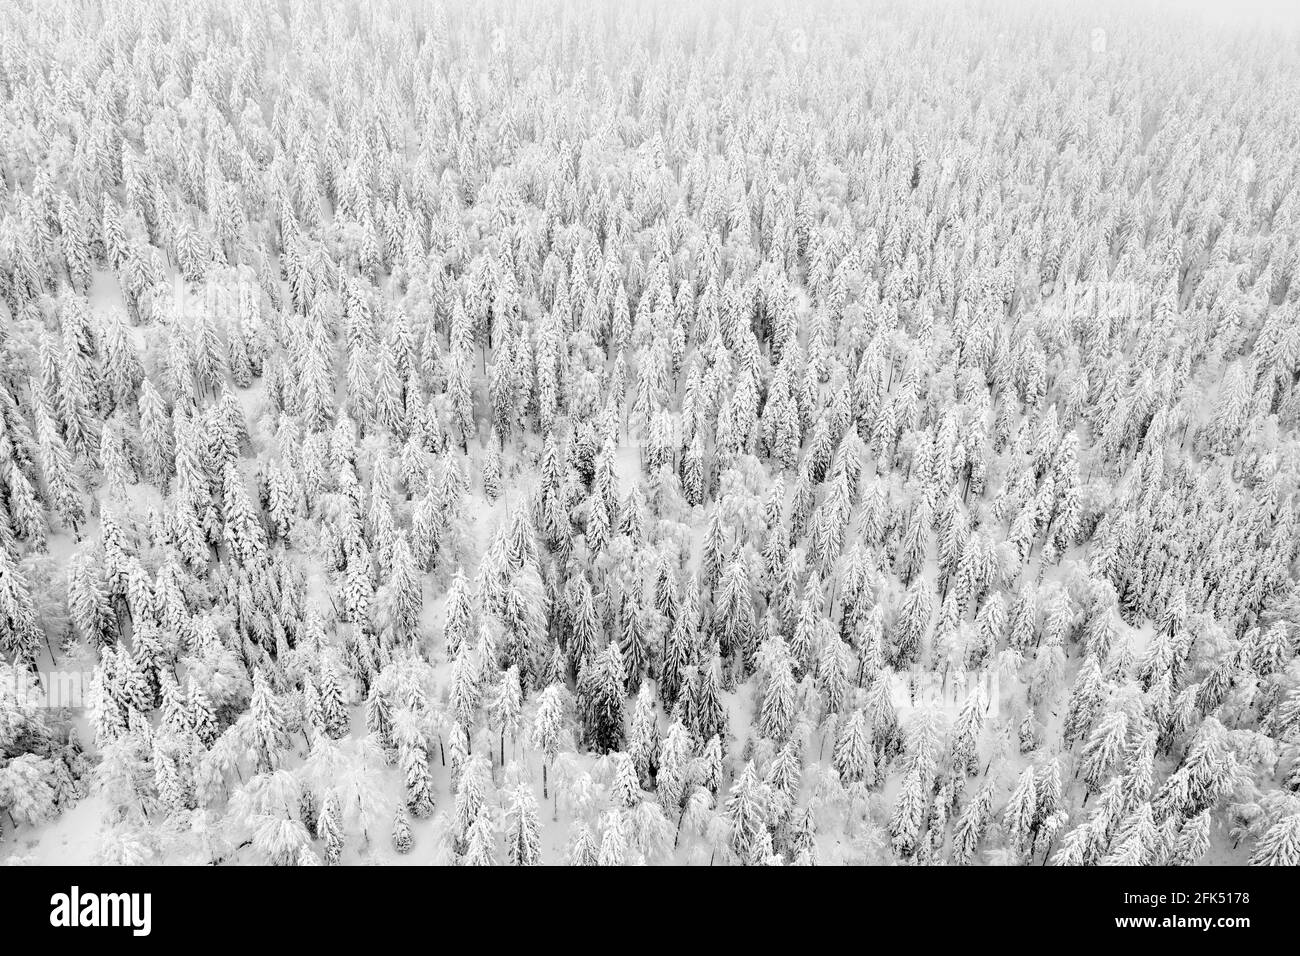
(571, 432)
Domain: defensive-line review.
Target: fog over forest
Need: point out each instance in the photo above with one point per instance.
(516, 432)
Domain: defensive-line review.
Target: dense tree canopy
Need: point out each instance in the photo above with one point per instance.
(514, 432)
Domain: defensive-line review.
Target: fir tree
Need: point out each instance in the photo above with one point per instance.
(523, 832)
(852, 756)
(402, 840)
(747, 813)
(549, 731)
(266, 723)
